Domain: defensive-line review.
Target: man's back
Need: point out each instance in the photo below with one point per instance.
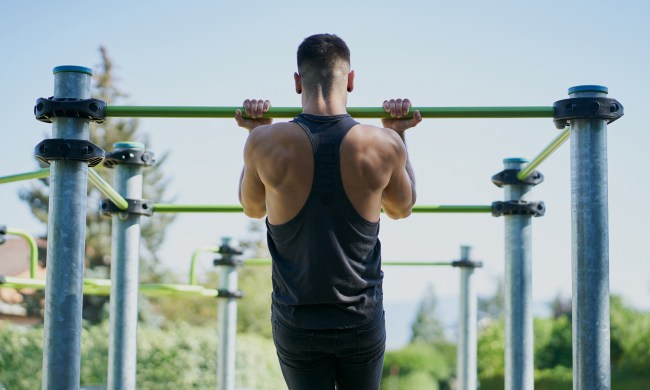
(284, 161)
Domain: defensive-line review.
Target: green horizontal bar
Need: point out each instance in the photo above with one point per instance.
(103, 287)
(357, 112)
(196, 208)
(38, 174)
(255, 262)
(107, 190)
(452, 209)
(544, 154)
(206, 208)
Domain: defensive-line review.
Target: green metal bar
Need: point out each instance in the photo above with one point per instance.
(452, 209)
(33, 248)
(357, 112)
(206, 208)
(37, 174)
(107, 190)
(544, 154)
(196, 208)
(255, 262)
(103, 287)
(195, 257)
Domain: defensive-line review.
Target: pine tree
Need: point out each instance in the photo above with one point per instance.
(98, 227)
(427, 327)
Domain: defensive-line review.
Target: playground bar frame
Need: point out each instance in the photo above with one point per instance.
(590, 241)
(357, 112)
(544, 154)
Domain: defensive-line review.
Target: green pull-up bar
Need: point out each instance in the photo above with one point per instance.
(215, 208)
(357, 112)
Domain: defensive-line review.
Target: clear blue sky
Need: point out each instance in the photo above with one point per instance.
(436, 53)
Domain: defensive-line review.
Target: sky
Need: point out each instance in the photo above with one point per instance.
(437, 53)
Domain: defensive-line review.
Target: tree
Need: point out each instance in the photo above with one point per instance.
(98, 227)
(494, 306)
(427, 328)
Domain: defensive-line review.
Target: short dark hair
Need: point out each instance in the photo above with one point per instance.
(319, 56)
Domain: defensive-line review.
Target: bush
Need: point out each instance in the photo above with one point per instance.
(180, 357)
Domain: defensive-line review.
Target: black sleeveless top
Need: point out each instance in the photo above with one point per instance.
(326, 260)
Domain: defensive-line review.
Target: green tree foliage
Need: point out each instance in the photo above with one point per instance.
(426, 328)
(419, 363)
(98, 227)
(179, 357)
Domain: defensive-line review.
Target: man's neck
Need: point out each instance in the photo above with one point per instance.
(317, 105)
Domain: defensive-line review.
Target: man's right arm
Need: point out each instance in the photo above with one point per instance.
(399, 195)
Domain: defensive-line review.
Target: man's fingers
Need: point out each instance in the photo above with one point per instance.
(267, 105)
(406, 106)
(247, 107)
(386, 106)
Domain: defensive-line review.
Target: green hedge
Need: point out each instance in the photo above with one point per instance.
(180, 357)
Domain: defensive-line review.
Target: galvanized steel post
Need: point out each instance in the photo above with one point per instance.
(590, 248)
(466, 365)
(125, 269)
(66, 241)
(227, 331)
(518, 285)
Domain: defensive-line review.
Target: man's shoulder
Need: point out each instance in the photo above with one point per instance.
(376, 135)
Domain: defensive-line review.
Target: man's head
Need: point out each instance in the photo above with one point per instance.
(323, 64)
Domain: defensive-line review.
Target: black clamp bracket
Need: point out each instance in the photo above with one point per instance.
(69, 149)
(129, 157)
(467, 264)
(3, 232)
(136, 206)
(227, 294)
(509, 177)
(586, 108)
(227, 256)
(91, 109)
(518, 207)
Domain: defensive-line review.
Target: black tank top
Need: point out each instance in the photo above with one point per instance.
(326, 260)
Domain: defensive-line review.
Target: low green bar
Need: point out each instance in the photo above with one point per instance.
(103, 287)
(38, 174)
(33, 248)
(357, 112)
(255, 262)
(107, 190)
(196, 208)
(544, 154)
(452, 209)
(206, 208)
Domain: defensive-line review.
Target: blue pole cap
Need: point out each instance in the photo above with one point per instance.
(72, 68)
(515, 160)
(588, 88)
(128, 145)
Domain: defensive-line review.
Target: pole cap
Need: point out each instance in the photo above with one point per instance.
(588, 88)
(128, 145)
(72, 68)
(515, 160)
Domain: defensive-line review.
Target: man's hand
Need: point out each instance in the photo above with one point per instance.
(255, 109)
(399, 108)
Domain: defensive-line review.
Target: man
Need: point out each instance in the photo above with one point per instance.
(322, 180)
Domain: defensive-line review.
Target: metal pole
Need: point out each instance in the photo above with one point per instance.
(518, 282)
(466, 366)
(125, 269)
(227, 332)
(66, 242)
(590, 248)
